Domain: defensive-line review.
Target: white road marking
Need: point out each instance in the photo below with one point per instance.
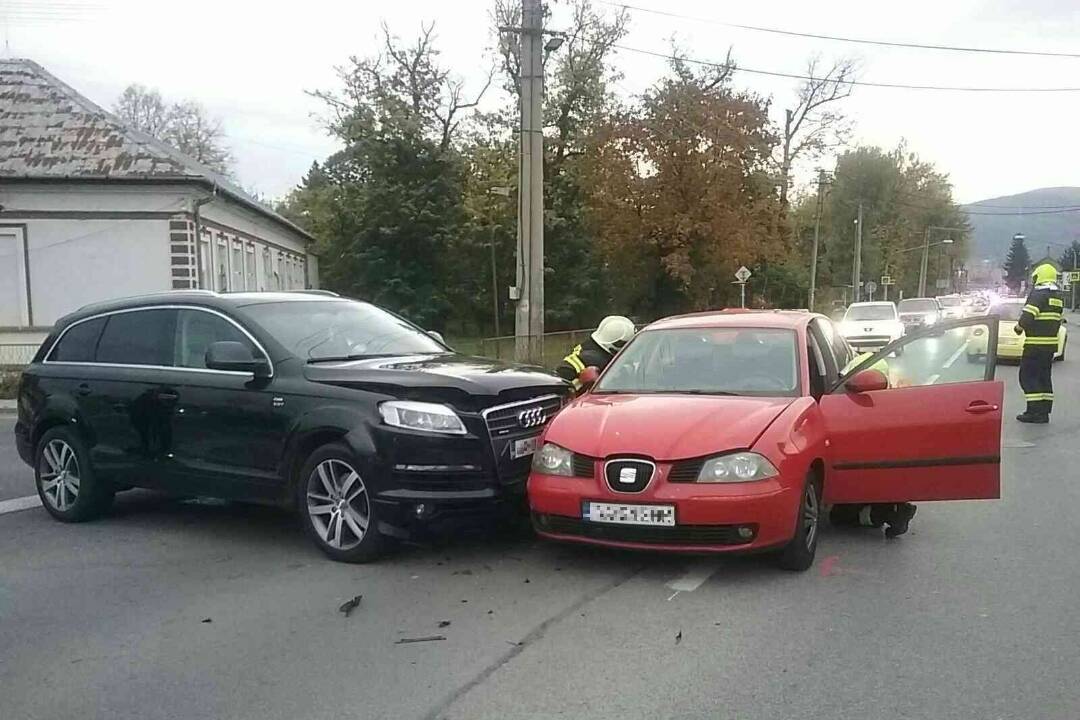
(694, 578)
(949, 363)
(17, 504)
(955, 355)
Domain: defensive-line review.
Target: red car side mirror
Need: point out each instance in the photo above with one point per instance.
(588, 376)
(867, 381)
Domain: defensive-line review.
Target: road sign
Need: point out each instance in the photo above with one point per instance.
(886, 280)
(742, 274)
(871, 286)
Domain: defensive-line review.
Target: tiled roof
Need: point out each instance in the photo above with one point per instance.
(48, 130)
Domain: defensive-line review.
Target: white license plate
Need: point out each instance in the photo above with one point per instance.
(620, 514)
(523, 448)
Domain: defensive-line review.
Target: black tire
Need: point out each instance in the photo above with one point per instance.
(798, 555)
(65, 480)
(345, 527)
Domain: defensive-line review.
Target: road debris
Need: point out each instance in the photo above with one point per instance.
(678, 638)
(349, 605)
(462, 572)
(428, 638)
(444, 623)
(207, 620)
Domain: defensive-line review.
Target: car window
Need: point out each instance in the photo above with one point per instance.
(922, 305)
(828, 355)
(196, 330)
(317, 330)
(140, 337)
(79, 343)
(959, 354)
(711, 360)
(841, 351)
(871, 312)
(818, 369)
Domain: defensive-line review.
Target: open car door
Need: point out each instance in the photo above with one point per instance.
(934, 433)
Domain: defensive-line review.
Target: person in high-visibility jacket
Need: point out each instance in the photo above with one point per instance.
(1039, 322)
(610, 335)
(894, 517)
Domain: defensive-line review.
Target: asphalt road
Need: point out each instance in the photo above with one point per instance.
(178, 610)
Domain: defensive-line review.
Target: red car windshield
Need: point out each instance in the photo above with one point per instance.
(706, 361)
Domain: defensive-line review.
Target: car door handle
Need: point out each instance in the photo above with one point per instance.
(83, 389)
(167, 396)
(979, 407)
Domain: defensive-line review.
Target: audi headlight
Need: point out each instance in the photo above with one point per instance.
(425, 417)
(554, 460)
(737, 467)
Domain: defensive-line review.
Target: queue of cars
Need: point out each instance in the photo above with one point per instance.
(715, 432)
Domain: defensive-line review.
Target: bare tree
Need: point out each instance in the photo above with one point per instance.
(197, 135)
(143, 109)
(813, 126)
(403, 84)
(185, 125)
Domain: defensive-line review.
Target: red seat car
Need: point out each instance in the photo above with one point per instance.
(729, 431)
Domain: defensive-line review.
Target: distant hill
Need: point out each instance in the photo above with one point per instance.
(993, 233)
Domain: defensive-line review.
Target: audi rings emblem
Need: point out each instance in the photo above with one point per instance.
(533, 417)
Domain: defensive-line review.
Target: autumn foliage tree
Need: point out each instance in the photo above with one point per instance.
(682, 193)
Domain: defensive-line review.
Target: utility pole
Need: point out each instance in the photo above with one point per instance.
(501, 191)
(922, 265)
(856, 265)
(817, 236)
(529, 317)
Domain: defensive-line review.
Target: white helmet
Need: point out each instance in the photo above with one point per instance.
(613, 332)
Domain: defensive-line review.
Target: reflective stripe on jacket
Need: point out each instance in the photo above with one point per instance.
(1041, 317)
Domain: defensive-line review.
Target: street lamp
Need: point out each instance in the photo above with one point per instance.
(926, 254)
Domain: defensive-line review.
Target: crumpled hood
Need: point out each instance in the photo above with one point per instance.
(440, 377)
(663, 427)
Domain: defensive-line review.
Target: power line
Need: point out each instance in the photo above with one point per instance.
(860, 83)
(838, 38)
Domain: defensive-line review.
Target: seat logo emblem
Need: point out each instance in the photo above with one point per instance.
(533, 417)
(628, 476)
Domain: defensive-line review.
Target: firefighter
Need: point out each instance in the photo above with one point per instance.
(1039, 322)
(610, 335)
(894, 517)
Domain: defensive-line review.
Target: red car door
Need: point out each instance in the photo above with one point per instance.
(933, 434)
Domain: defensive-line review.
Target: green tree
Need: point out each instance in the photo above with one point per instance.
(901, 197)
(1070, 258)
(1016, 264)
(388, 208)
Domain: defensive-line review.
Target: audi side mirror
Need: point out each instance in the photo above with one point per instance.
(233, 356)
(867, 381)
(588, 377)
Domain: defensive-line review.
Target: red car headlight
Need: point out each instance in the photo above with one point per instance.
(737, 467)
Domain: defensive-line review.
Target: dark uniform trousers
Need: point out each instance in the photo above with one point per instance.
(1035, 378)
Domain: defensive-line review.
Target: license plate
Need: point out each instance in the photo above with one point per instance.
(620, 514)
(523, 448)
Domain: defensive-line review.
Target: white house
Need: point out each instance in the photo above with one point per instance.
(91, 210)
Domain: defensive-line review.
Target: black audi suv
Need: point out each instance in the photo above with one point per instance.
(368, 425)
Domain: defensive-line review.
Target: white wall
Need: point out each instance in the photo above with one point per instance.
(77, 262)
(86, 257)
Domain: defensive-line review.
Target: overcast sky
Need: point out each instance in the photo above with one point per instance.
(250, 63)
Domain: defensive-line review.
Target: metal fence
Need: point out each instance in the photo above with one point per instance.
(17, 355)
(554, 346)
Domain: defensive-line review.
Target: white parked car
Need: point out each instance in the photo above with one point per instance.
(952, 307)
(871, 325)
(916, 313)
